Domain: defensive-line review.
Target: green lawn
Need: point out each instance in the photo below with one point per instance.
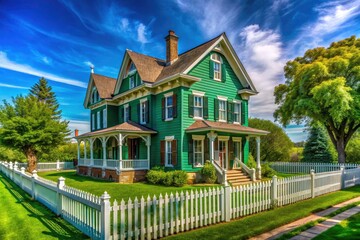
(22, 218)
(347, 229)
(259, 223)
(117, 191)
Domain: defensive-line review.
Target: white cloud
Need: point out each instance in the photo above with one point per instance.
(6, 63)
(262, 54)
(12, 86)
(82, 126)
(332, 16)
(141, 34)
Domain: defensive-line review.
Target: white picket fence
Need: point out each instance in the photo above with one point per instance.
(156, 217)
(304, 167)
(47, 166)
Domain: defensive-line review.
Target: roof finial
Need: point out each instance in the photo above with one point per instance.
(92, 68)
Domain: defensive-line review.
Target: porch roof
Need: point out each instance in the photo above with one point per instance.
(126, 127)
(204, 125)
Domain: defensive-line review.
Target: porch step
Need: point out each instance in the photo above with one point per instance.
(237, 177)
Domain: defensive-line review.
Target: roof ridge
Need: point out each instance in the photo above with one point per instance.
(103, 76)
(146, 55)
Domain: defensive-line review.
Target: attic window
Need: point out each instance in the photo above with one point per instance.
(132, 69)
(216, 61)
(95, 96)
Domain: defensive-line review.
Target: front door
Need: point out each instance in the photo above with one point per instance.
(223, 154)
(133, 145)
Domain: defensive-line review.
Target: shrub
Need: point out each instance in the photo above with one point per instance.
(267, 171)
(179, 178)
(208, 173)
(155, 176)
(251, 162)
(168, 178)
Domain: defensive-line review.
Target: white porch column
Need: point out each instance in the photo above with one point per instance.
(104, 151)
(78, 150)
(258, 166)
(85, 150)
(120, 150)
(91, 152)
(148, 144)
(211, 135)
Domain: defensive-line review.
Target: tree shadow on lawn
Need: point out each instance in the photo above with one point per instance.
(58, 227)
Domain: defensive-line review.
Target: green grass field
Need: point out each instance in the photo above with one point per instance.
(250, 226)
(23, 218)
(117, 191)
(347, 229)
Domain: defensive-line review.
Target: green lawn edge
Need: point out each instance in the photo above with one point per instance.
(254, 225)
(23, 218)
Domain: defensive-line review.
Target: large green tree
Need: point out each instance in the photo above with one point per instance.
(31, 126)
(317, 147)
(275, 146)
(324, 86)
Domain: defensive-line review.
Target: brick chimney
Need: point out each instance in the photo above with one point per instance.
(171, 47)
(76, 132)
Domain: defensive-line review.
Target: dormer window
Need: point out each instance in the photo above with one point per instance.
(132, 82)
(95, 96)
(132, 69)
(132, 76)
(216, 62)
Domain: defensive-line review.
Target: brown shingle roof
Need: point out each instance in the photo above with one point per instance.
(124, 127)
(153, 69)
(105, 85)
(203, 125)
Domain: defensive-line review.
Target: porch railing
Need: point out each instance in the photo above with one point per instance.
(220, 172)
(138, 164)
(98, 162)
(250, 171)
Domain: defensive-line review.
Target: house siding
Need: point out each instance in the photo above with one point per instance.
(112, 115)
(95, 111)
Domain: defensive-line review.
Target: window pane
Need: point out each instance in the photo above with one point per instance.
(169, 101)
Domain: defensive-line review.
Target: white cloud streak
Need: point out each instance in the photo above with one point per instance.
(12, 86)
(6, 63)
(82, 126)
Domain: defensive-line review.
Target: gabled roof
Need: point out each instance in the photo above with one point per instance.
(105, 85)
(204, 125)
(126, 127)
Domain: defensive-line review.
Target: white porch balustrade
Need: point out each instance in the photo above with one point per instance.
(98, 162)
(125, 164)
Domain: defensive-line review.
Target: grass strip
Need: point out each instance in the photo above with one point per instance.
(347, 229)
(250, 226)
(23, 218)
(311, 224)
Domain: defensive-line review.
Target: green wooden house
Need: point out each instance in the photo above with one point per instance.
(177, 113)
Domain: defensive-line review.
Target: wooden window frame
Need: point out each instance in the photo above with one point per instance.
(216, 60)
(237, 103)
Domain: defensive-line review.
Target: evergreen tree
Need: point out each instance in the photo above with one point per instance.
(317, 147)
(33, 124)
(43, 92)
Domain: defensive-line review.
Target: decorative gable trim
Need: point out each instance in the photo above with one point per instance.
(228, 51)
(121, 75)
(90, 86)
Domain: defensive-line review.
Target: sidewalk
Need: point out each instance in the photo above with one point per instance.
(277, 232)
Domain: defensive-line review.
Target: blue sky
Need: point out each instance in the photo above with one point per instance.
(60, 40)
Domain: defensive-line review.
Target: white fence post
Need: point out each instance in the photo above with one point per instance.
(227, 203)
(312, 176)
(33, 186)
(342, 169)
(105, 216)
(274, 200)
(60, 186)
(21, 177)
(11, 171)
(57, 165)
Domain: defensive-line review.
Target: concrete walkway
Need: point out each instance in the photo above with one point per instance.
(278, 232)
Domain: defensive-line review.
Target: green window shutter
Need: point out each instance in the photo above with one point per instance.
(121, 115)
(206, 107)
(223, 72)
(138, 112)
(190, 151)
(129, 112)
(211, 69)
(136, 76)
(230, 112)
(216, 109)
(191, 105)
(206, 149)
(174, 152)
(174, 106)
(163, 108)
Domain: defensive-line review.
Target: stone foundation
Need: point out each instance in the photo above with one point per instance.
(111, 175)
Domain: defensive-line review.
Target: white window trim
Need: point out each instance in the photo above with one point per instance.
(199, 138)
(126, 106)
(221, 98)
(219, 62)
(237, 139)
(198, 93)
(93, 121)
(169, 94)
(132, 77)
(142, 121)
(104, 112)
(168, 140)
(223, 138)
(98, 120)
(237, 102)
